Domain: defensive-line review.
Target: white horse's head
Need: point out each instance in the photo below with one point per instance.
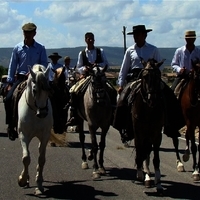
(38, 85)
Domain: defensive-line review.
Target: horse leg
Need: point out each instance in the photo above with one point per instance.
(139, 161)
(147, 180)
(195, 174)
(102, 145)
(179, 164)
(23, 179)
(41, 162)
(156, 163)
(84, 164)
(186, 155)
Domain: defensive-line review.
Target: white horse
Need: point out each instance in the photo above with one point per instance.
(35, 120)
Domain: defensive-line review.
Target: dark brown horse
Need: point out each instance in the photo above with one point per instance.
(148, 120)
(59, 100)
(95, 108)
(191, 110)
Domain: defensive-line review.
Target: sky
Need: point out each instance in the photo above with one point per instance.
(63, 23)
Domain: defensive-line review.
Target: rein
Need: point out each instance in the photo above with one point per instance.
(37, 108)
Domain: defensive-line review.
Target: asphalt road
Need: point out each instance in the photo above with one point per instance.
(64, 178)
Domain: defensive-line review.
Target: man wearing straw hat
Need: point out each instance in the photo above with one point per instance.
(181, 62)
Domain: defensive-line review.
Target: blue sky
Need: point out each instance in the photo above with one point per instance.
(63, 23)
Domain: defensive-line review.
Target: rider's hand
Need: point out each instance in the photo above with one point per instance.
(182, 70)
(7, 87)
(119, 90)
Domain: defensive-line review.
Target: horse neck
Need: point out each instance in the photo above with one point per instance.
(192, 91)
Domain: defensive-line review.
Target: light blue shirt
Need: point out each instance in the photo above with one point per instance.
(182, 58)
(132, 59)
(91, 55)
(53, 67)
(22, 56)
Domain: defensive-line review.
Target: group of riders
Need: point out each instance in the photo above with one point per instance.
(29, 52)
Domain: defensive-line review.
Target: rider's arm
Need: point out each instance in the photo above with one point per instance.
(12, 66)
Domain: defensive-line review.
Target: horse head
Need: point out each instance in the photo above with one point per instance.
(150, 81)
(98, 82)
(38, 82)
(59, 100)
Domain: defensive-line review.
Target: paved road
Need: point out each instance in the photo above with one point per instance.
(64, 178)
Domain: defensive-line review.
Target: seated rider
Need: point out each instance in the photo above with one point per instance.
(131, 64)
(181, 62)
(91, 56)
(26, 53)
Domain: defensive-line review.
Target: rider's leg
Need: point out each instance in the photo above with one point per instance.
(73, 110)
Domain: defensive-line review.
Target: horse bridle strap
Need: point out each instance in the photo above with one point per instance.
(37, 108)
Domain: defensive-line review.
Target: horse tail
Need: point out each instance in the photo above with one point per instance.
(58, 139)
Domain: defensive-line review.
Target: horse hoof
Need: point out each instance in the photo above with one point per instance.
(22, 182)
(102, 170)
(180, 167)
(147, 184)
(38, 191)
(84, 165)
(196, 177)
(96, 175)
(186, 157)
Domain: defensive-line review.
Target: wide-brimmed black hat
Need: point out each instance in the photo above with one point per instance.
(139, 28)
(55, 55)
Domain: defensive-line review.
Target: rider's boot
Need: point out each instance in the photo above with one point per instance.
(73, 111)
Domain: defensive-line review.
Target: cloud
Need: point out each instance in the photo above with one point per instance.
(64, 23)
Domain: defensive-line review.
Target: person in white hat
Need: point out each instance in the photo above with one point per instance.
(181, 62)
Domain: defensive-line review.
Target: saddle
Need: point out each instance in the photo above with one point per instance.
(15, 99)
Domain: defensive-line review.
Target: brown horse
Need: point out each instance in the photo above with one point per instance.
(189, 99)
(59, 100)
(95, 108)
(148, 120)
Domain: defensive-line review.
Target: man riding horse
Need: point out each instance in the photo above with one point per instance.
(26, 53)
(129, 72)
(88, 58)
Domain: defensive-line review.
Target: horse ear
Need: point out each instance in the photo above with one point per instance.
(143, 62)
(160, 63)
(31, 72)
(47, 72)
(105, 68)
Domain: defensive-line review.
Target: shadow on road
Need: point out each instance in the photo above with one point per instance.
(73, 190)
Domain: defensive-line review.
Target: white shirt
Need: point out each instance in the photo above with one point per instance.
(91, 55)
(182, 58)
(132, 59)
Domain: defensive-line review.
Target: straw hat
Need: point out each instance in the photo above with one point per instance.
(190, 34)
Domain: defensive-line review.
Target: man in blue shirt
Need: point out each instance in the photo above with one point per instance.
(27, 52)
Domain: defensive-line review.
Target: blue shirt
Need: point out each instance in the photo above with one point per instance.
(182, 58)
(53, 67)
(132, 59)
(22, 56)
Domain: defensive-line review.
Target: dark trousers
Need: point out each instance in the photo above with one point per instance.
(8, 102)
